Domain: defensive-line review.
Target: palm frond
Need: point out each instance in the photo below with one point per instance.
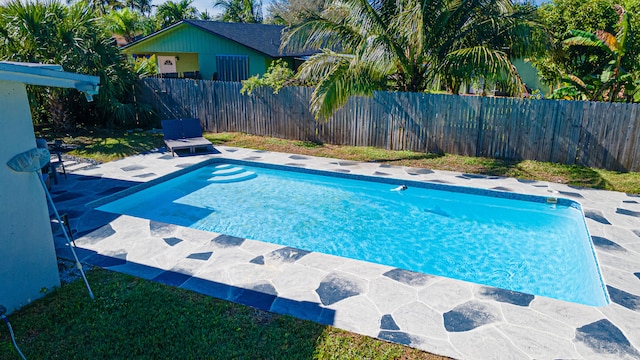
(485, 62)
(320, 33)
(338, 76)
(341, 83)
(585, 38)
(318, 66)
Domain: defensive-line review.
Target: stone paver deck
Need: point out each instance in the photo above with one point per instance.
(440, 315)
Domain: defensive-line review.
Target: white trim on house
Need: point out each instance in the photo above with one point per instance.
(48, 75)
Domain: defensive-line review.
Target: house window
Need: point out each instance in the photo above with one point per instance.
(232, 67)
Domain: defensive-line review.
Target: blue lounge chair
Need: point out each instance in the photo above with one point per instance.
(191, 128)
(184, 134)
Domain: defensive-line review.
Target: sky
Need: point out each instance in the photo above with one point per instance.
(201, 5)
(207, 5)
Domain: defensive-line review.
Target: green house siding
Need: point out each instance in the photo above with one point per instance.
(196, 45)
(529, 76)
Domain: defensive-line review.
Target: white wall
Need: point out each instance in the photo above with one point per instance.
(27, 254)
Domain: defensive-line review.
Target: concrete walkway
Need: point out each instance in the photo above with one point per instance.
(440, 315)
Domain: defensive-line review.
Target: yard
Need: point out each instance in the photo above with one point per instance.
(135, 318)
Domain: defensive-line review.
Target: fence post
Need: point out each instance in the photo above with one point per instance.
(480, 125)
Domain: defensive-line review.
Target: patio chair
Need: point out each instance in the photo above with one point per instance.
(171, 129)
(56, 155)
(173, 75)
(56, 162)
(191, 128)
(192, 75)
(184, 134)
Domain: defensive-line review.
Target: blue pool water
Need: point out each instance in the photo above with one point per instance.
(527, 246)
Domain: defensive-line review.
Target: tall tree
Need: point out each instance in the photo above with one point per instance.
(171, 12)
(290, 12)
(52, 33)
(127, 23)
(204, 15)
(243, 11)
(102, 7)
(610, 78)
(561, 17)
(142, 6)
(410, 45)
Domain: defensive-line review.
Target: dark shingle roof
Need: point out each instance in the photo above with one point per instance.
(260, 37)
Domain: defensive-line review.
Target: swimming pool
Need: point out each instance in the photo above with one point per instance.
(518, 242)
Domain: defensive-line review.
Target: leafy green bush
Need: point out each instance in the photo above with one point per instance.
(145, 67)
(278, 75)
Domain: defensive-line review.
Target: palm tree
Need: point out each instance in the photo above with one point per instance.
(143, 6)
(204, 15)
(171, 12)
(126, 23)
(289, 12)
(102, 7)
(612, 78)
(410, 45)
(243, 11)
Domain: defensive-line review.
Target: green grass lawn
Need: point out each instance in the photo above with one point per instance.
(132, 318)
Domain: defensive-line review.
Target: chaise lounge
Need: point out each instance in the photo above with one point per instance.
(184, 134)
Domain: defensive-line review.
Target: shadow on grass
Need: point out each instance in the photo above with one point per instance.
(119, 145)
(413, 156)
(497, 167)
(102, 144)
(585, 177)
(574, 175)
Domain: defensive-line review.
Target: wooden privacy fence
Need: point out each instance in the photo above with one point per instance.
(595, 134)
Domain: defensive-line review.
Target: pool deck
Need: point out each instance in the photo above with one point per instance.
(440, 315)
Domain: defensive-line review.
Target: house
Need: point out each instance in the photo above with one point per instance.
(28, 266)
(214, 50)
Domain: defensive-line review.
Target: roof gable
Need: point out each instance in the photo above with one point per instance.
(263, 38)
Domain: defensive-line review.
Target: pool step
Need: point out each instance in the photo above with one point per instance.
(237, 177)
(227, 171)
